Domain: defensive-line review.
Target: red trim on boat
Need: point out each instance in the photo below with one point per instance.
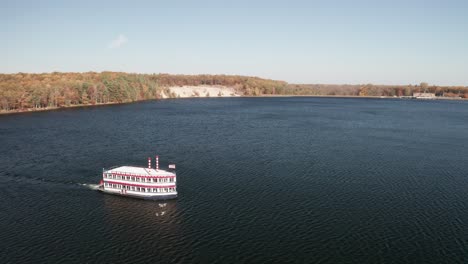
(140, 185)
(137, 175)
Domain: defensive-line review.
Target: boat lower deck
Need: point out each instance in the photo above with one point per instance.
(139, 195)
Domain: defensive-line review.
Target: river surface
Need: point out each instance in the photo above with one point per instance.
(285, 180)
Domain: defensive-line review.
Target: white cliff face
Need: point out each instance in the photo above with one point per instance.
(202, 91)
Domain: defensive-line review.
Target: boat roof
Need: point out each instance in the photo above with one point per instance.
(140, 171)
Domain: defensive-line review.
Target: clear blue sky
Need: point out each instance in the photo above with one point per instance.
(380, 42)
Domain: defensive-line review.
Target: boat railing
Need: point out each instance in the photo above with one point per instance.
(129, 174)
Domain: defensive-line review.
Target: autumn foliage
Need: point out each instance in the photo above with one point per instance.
(23, 91)
(51, 90)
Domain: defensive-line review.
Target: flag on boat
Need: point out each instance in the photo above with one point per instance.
(171, 166)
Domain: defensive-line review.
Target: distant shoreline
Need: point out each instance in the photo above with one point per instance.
(25, 92)
(33, 110)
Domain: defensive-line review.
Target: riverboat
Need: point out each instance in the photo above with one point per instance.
(140, 182)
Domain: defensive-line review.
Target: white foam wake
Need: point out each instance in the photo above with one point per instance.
(90, 186)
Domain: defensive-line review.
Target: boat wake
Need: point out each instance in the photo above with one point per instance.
(89, 186)
(41, 181)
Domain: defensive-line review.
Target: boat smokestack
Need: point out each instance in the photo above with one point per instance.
(149, 162)
(157, 162)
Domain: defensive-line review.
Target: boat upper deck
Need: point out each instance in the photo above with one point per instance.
(139, 171)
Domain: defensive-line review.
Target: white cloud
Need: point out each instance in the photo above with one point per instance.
(118, 42)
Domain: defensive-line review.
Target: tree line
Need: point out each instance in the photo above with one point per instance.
(50, 90)
(23, 91)
(377, 90)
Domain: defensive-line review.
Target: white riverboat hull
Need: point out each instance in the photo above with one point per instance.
(145, 196)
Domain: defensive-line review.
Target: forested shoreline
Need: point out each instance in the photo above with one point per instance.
(24, 91)
(30, 92)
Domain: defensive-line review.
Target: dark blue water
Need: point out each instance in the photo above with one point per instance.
(306, 180)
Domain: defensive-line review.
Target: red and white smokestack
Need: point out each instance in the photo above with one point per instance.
(157, 162)
(149, 162)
